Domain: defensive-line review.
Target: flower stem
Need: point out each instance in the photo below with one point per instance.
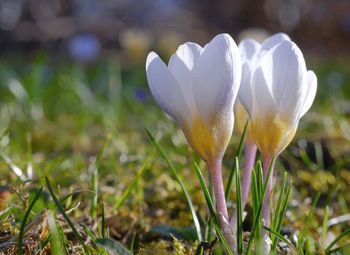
(249, 160)
(249, 157)
(221, 208)
(267, 161)
(266, 204)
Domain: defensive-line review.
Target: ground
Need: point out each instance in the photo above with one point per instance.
(82, 126)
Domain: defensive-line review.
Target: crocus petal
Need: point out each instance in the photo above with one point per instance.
(245, 93)
(273, 40)
(181, 64)
(166, 90)
(284, 70)
(263, 101)
(248, 48)
(311, 92)
(217, 76)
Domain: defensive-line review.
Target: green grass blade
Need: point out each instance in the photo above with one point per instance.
(307, 222)
(29, 157)
(282, 238)
(62, 211)
(330, 246)
(223, 240)
(112, 246)
(94, 184)
(90, 234)
(133, 243)
(23, 224)
(324, 228)
(103, 149)
(56, 245)
(345, 247)
(260, 179)
(319, 154)
(14, 168)
(121, 200)
(94, 180)
(257, 218)
(70, 195)
(239, 209)
(257, 215)
(279, 202)
(282, 214)
(238, 155)
(103, 224)
(206, 192)
(178, 179)
(255, 195)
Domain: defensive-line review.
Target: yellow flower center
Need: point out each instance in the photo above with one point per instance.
(241, 118)
(272, 134)
(210, 141)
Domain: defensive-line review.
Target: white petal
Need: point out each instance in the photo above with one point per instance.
(165, 89)
(181, 64)
(245, 93)
(311, 92)
(248, 48)
(217, 76)
(274, 40)
(263, 101)
(284, 70)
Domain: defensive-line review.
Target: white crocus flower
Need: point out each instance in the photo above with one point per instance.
(251, 54)
(276, 90)
(198, 89)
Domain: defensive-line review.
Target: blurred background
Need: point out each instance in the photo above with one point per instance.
(88, 29)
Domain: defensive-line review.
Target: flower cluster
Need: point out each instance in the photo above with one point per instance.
(198, 89)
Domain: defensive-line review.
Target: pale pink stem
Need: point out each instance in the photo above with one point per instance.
(221, 208)
(249, 160)
(266, 204)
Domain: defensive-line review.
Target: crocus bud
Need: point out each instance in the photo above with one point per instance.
(198, 89)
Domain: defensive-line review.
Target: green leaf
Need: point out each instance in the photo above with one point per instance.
(207, 195)
(344, 249)
(94, 178)
(62, 211)
(184, 233)
(239, 209)
(56, 245)
(306, 225)
(324, 227)
(281, 215)
(238, 155)
(183, 187)
(282, 238)
(257, 220)
(255, 193)
(330, 246)
(103, 227)
(223, 240)
(23, 224)
(18, 171)
(112, 246)
(121, 200)
(279, 202)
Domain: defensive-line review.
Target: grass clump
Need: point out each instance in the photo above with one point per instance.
(83, 129)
